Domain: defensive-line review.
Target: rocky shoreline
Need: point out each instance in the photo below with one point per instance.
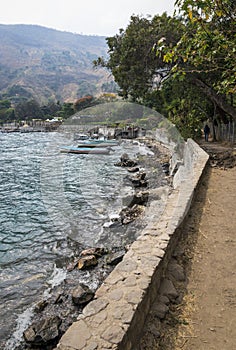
(56, 312)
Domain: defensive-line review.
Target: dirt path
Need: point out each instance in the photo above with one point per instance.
(205, 318)
(212, 278)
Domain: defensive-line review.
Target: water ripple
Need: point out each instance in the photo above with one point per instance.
(45, 198)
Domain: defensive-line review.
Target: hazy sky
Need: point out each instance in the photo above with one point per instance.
(101, 17)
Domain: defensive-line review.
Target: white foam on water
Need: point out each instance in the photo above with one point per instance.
(23, 322)
(57, 277)
(91, 281)
(24, 319)
(114, 217)
(144, 151)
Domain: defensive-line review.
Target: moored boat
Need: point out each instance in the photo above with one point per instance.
(98, 143)
(84, 150)
(81, 137)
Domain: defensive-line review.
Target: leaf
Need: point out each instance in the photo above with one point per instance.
(168, 57)
(219, 13)
(190, 14)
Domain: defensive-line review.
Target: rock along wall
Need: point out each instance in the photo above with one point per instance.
(115, 318)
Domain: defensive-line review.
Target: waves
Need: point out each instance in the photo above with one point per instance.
(47, 201)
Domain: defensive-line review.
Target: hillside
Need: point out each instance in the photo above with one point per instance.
(42, 63)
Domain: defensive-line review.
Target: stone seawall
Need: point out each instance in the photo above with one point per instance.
(115, 318)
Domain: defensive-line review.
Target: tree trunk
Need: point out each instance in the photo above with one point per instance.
(213, 124)
(219, 100)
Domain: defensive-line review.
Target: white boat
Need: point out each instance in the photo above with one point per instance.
(81, 137)
(97, 143)
(84, 150)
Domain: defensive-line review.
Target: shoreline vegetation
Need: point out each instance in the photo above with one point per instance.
(56, 312)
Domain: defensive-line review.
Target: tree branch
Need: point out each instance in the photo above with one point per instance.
(218, 99)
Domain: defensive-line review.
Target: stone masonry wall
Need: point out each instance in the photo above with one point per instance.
(115, 318)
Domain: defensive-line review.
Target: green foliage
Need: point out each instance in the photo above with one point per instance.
(183, 104)
(192, 73)
(207, 47)
(5, 104)
(28, 110)
(50, 110)
(133, 61)
(7, 113)
(67, 110)
(31, 109)
(213, 23)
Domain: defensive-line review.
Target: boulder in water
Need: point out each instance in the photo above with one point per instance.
(139, 198)
(125, 161)
(43, 333)
(87, 261)
(138, 180)
(134, 169)
(98, 252)
(130, 214)
(82, 295)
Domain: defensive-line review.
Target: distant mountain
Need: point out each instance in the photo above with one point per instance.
(47, 64)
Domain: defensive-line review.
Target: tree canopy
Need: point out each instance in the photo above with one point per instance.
(183, 66)
(206, 51)
(132, 58)
(208, 43)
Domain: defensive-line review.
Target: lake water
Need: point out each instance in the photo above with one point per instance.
(48, 200)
